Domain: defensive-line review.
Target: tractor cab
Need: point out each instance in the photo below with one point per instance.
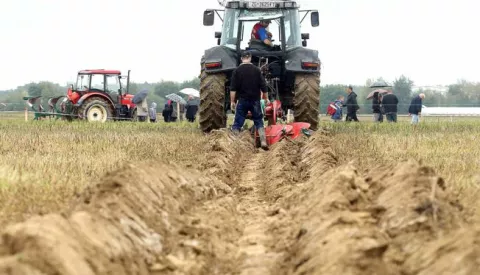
(106, 82)
(240, 17)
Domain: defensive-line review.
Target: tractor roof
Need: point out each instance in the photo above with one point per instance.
(99, 71)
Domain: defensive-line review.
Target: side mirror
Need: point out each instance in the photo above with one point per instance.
(208, 17)
(314, 17)
(305, 36)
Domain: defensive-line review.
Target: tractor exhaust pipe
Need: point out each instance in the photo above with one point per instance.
(128, 82)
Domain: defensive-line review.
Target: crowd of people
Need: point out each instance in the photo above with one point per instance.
(382, 105)
(170, 112)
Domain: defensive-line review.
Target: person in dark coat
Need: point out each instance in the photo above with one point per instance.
(167, 111)
(415, 108)
(191, 109)
(390, 103)
(352, 105)
(377, 112)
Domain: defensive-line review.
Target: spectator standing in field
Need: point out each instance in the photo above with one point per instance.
(142, 110)
(167, 111)
(415, 108)
(377, 112)
(182, 111)
(390, 105)
(174, 115)
(352, 105)
(338, 115)
(153, 112)
(191, 109)
(382, 110)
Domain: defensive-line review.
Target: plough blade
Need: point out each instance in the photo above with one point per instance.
(291, 131)
(297, 128)
(275, 133)
(35, 103)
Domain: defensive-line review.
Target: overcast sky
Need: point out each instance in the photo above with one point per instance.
(430, 41)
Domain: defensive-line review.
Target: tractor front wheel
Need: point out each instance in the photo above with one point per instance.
(306, 102)
(96, 109)
(212, 101)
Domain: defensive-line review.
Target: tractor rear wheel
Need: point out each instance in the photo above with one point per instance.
(306, 102)
(96, 109)
(212, 101)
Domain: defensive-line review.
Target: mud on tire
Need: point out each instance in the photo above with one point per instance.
(212, 101)
(95, 102)
(307, 98)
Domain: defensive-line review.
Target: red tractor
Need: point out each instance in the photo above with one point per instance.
(98, 95)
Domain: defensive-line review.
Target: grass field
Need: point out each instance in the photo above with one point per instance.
(299, 208)
(45, 163)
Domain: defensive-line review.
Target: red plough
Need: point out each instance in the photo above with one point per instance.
(276, 132)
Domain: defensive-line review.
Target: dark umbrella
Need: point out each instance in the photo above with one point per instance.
(380, 84)
(139, 97)
(381, 91)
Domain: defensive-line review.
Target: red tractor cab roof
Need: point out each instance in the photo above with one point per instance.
(99, 71)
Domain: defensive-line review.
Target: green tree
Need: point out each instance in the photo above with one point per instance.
(402, 87)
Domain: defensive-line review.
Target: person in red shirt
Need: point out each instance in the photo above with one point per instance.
(260, 32)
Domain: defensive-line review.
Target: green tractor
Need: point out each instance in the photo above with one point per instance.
(291, 70)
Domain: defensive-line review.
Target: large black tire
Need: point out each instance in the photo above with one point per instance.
(96, 109)
(212, 101)
(306, 102)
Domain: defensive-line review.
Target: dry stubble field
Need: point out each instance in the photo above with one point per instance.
(167, 199)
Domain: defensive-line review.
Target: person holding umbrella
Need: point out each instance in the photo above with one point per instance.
(191, 109)
(377, 112)
(140, 99)
(167, 111)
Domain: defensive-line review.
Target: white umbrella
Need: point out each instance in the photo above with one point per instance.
(190, 91)
(176, 98)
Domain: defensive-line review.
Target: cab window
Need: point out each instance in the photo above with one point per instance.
(113, 84)
(97, 82)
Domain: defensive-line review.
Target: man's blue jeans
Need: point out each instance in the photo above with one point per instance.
(391, 117)
(241, 111)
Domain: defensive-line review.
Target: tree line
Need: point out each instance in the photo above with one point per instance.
(461, 94)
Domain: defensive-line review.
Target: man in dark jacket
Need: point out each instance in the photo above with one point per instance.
(352, 105)
(415, 108)
(390, 103)
(191, 109)
(246, 84)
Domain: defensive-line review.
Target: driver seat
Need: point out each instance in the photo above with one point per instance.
(257, 45)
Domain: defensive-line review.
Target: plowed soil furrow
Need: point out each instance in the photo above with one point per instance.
(254, 234)
(291, 210)
(254, 254)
